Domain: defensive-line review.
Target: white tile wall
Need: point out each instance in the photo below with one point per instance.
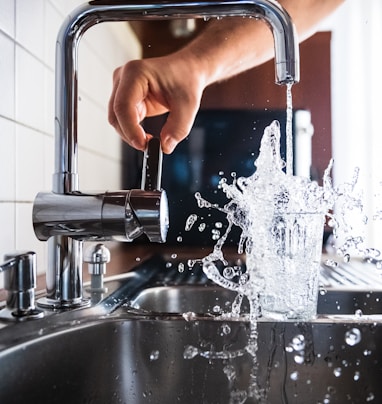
(7, 16)
(7, 76)
(28, 30)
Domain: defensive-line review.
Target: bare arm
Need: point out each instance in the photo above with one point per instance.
(175, 83)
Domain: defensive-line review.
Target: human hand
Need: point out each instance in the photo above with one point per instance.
(149, 87)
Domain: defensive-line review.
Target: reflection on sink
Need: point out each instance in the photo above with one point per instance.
(141, 349)
(212, 300)
(215, 300)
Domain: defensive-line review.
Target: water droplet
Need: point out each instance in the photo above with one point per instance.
(189, 316)
(190, 352)
(370, 397)
(356, 376)
(173, 256)
(179, 239)
(323, 291)
(358, 313)
(298, 342)
(300, 359)
(372, 253)
(230, 372)
(229, 273)
(201, 227)
(215, 234)
(218, 225)
(226, 329)
(191, 263)
(154, 355)
(190, 222)
(366, 352)
(294, 375)
(180, 267)
(337, 372)
(217, 309)
(331, 263)
(353, 336)
(137, 259)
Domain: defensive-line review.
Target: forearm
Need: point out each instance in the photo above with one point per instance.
(233, 45)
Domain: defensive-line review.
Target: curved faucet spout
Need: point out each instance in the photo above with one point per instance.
(286, 57)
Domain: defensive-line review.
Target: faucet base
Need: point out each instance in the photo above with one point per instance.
(52, 304)
(7, 314)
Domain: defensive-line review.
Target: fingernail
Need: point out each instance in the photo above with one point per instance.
(137, 144)
(168, 144)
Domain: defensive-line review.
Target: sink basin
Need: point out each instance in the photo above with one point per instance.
(122, 359)
(164, 341)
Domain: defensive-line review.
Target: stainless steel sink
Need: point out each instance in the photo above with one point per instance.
(214, 300)
(160, 339)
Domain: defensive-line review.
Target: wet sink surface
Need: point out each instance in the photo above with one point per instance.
(215, 300)
(121, 360)
(166, 342)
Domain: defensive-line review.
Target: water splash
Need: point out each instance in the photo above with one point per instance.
(191, 220)
(353, 336)
(259, 203)
(254, 203)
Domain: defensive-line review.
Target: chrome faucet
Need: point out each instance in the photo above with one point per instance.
(65, 217)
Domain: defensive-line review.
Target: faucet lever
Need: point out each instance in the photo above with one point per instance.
(152, 166)
(150, 204)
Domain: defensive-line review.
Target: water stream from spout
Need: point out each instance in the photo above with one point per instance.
(289, 131)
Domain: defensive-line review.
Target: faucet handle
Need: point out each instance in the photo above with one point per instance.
(149, 203)
(152, 166)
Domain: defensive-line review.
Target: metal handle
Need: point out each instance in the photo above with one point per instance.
(20, 270)
(150, 204)
(19, 281)
(152, 166)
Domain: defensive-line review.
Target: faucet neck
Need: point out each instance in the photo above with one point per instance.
(66, 166)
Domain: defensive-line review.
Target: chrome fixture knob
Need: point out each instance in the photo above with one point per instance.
(97, 256)
(20, 281)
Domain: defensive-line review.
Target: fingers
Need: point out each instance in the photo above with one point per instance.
(112, 118)
(179, 123)
(138, 91)
(126, 109)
